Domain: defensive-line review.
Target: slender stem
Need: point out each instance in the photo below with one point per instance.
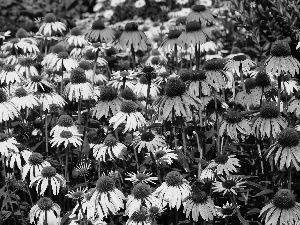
(279, 91)
(176, 56)
(217, 120)
(99, 168)
(156, 166)
(135, 154)
(67, 162)
(108, 71)
(243, 82)
(260, 159)
(148, 95)
(241, 218)
(183, 138)
(133, 56)
(261, 97)
(196, 57)
(290, 177)
(45, 222)
(200, 156)
(46, 131)
(62, 77)
(83, 215)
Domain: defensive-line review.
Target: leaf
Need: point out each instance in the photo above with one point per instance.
(5, 215)
(85, 146)
(36, 146)
(182, 159)
(252, 211)
(268, 191)
(65, 217)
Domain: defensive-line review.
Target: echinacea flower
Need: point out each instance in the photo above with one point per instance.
(133, 37)
(200, 14)
(286, 150)
(9, 75)
(106, 199)
(294, 104)
(24, 99)
(50, 56)
(63, 60)
(139, 217)
(16, 156)
(177, 101)
(198, 84)
(237, 62)
(230, 184)
(150, 141)
(289, 85)
(193, 35)
(77, 194)
(224, 163)
(199, 204)
(64, 123)
(48, 98)
(129, 115)
(168, 44)
(50, 26)
(78, 88)
(174, 190)
(269, 121)
(215, 74)
(45, 211)
(82, 168)
(233, 123)
(164, 156)
(8, 110)
(122, 79)
(7, 143)
(76, 37)
(110, 147)
(66, 137)
(226, 210)
(89, 73)
(281, 59)
(34, 165)
(39, 83)
(26, 66)
(141, 88)
(141, 197)
(48, 179)
(100, 33)
(3, 35)
(141, 178)
(283, 209)
(109, 103)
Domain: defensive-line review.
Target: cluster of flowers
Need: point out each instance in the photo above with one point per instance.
(171, 85)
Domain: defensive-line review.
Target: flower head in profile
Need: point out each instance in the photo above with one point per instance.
(48, 177)
(201, 14)
(197, 83)
(26, 65)
(199, 204)
(164, 156)
(110, 149)
(109, 103)
(54, 52)
(174, 190)
(63, 60)
(286, 149)
(229, 185)
(281, 59)
(227, 210)
(34, 165)
(39, 84)
(8, 110)
(16, 156)
(224, 163)
(123, 79)
(294, 104)
(10, 75)
(150, 141)
(282, 209)
(237, 62)
(129, 115)
(24, 99)
(216, 76)
(51, 26)
(141, 216)
(141, 178)
(79, 87)
(76, 37)
(7, 143)
(100, 33)
(66, 137)
(168, 44)
(141, 88)
(44, 209)
(77, 194)
(48, 97)
(234, 123)
(269, 122)
(64, 123)
(177, 100)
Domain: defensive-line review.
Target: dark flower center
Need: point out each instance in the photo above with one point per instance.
(164, 75)
(289, 137)
(45, 204)
(156, 60)
(193, 26)
(262, 79)
(108, 93)
(85, 65)
(63, 55)
(233, 116)
(141, 176)
(105, 184)
(159, 154)
(20, 92)
(197, 186)
(214, 64)
(286, 78)
(124, 73)
(78, 76)
(228, 184)
(26, 62)
(198, 75)
(156, 53)
(181, 20)
(98, 25)
(147, 136)
(221, 159)
(65, 121)
(174, 34)
(141, 191)
(76, 31)
(128, 107)
(14, 41)
(110, 141)
(297, 95)
(198, 8)
(90, 54)
(48, 172)
(239, 58)
(284, 199)
(174, 179)
(50, 18)
(250, 83)
(143, 80)
(235, 50)
(139, 216)
(199, 197)
(185, 74)
(175, 87)
(9, 68)
(128, 94)
(21, 33)
(35, 159)
(280, 49)
(78, 195)
(3, 137)
(3, 96)
(154, 211)
(227, 211)
(66, 134)
(58, 48)
(269, 110)
(131, 27)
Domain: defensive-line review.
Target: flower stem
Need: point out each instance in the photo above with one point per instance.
(148, 95)
(133, 56)
(62, 77)
(243, 82)
(176, 56)
(46, 132)
(279, 91)
(83, 215)
(156, 166)
(290, 178)
(241, 218)
(217, 120)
